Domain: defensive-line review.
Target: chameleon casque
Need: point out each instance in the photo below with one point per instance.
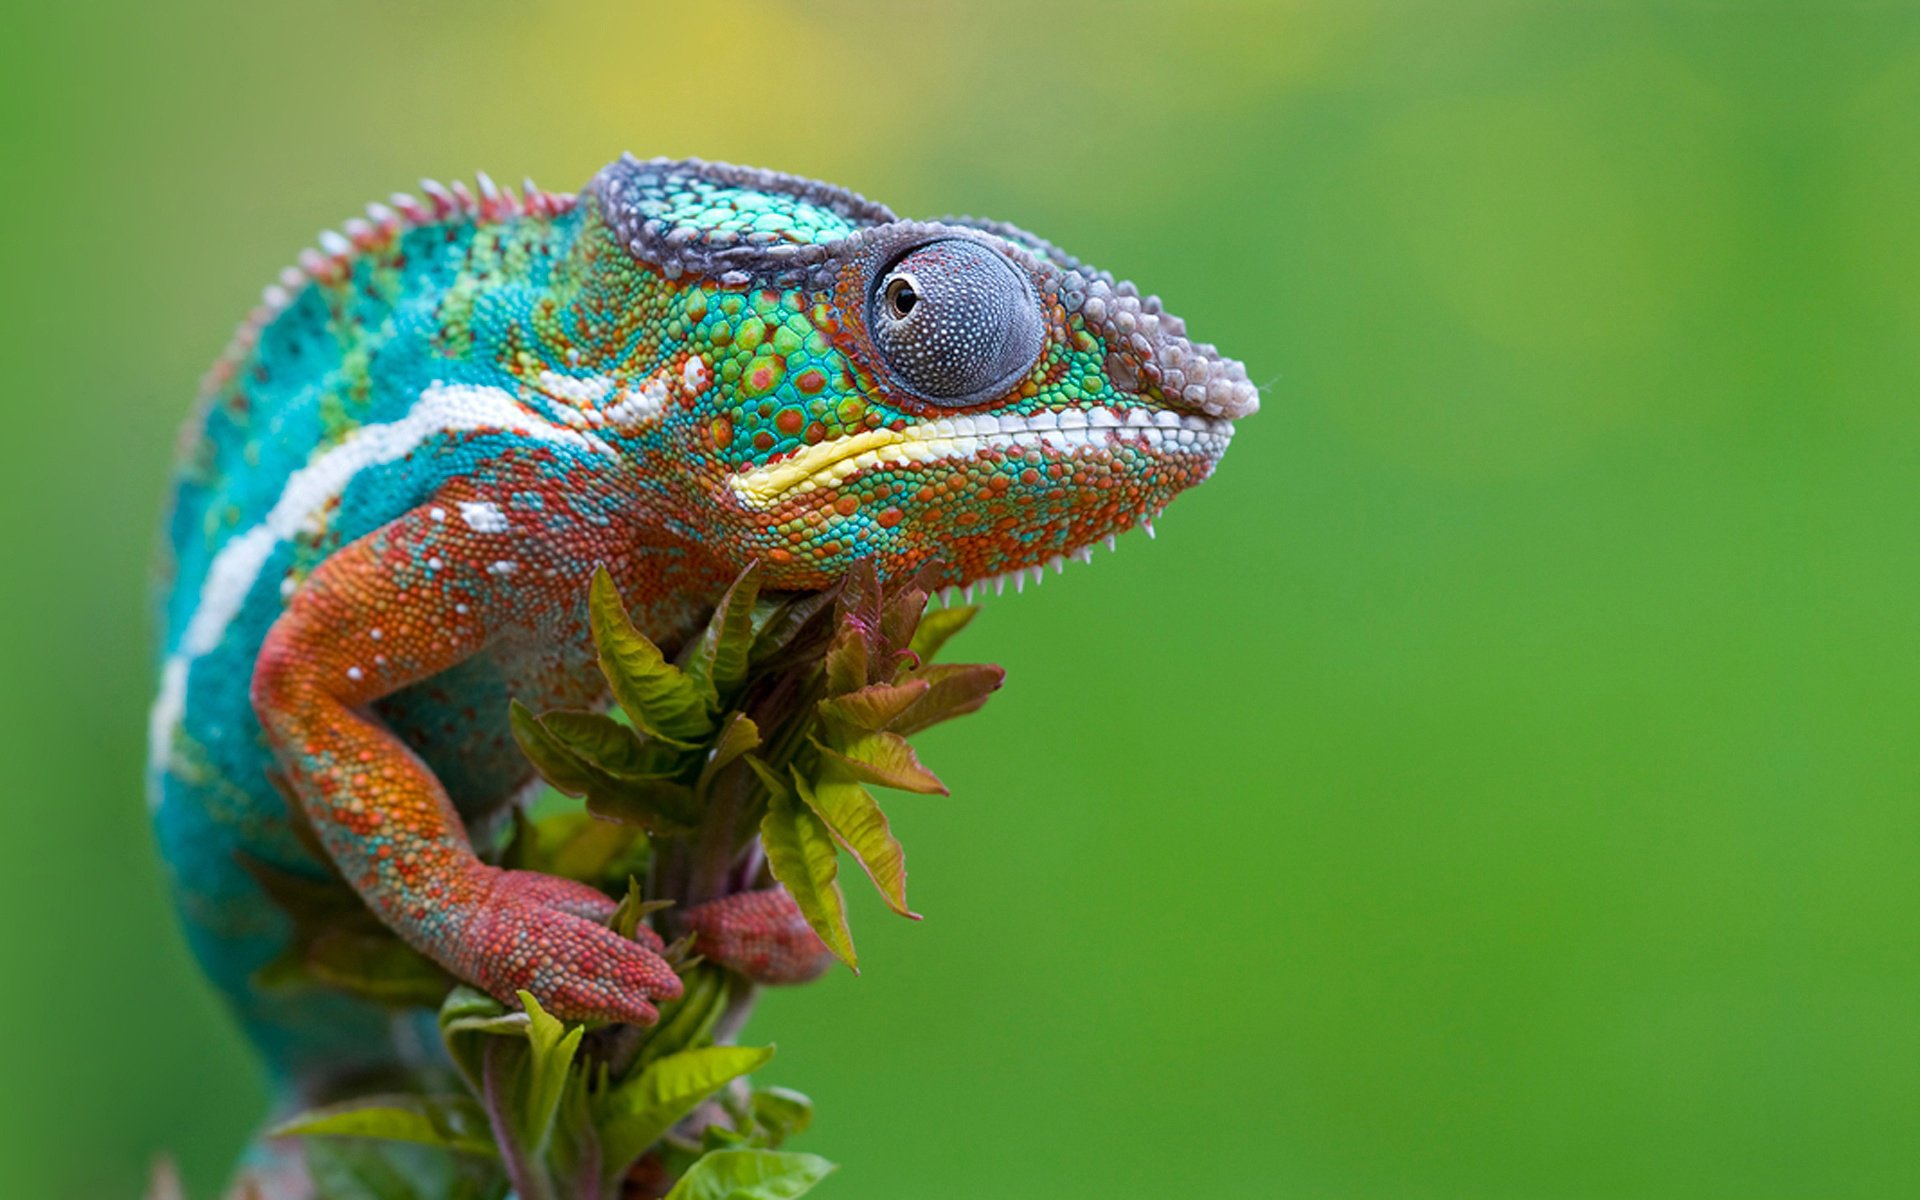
(416, 451)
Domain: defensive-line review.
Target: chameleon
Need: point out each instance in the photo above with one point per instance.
(417, 450)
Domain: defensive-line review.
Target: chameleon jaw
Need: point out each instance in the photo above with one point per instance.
(829, 463)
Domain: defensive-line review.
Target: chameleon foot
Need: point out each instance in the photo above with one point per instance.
(761, 935)
(548, 937)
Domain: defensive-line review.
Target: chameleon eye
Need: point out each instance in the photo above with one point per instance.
(955, 322)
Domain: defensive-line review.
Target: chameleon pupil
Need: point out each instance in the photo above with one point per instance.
(901, 297)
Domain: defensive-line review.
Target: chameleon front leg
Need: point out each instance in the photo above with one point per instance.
(400, 605)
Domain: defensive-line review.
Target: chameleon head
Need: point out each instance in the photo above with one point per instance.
(956, 392)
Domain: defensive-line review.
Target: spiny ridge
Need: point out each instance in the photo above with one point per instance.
(331, 259)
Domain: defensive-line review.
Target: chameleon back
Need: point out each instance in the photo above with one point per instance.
(311, 433)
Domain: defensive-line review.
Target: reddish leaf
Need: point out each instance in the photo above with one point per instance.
(955, 689)
(849, 659)
(875, 706)
(859, 600)
(900, 616)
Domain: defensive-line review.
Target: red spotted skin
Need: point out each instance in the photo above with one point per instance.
(418, 451)
(760, 934)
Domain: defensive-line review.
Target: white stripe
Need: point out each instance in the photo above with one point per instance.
(168, 707)
(441, 409)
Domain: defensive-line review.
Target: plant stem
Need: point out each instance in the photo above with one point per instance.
(740, 999)
(528, 1176)
(787, 714)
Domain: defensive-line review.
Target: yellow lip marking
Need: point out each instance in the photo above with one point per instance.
(760, 487)
(1068, 433)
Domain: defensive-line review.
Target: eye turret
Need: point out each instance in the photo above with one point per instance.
(956, 323)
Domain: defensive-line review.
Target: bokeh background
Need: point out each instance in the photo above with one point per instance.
(1499, 782)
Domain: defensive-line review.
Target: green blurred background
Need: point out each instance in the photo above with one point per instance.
(1499, 782)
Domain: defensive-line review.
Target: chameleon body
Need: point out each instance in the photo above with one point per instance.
(415, 453)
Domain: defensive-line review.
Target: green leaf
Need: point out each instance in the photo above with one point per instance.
(719, 661)
(600, 741)
(553, 758)
(885, 759)
(551, 1046)
(719, 1137)
(338, 943)
(876, 706)
(751, 1175)
(469, 1019)
(575, 844)
(737, 736)
(687, 1023)
(954, 689)
(653, 802)
(375, 966)
(355, 1169)
(576, 1140)
(853, 817)
(937, 627)
(310, 902)
(642, 1110)
(780, 1113)
(469, 1008)
(769, 778)
(655, 694)
(800, 852)
(633, 909)
(662, 807)
(450, 1122)
(504, 1091)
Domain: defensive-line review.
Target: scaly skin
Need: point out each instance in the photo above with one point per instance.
(419, 448)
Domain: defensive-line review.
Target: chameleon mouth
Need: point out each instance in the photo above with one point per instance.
(830, 463)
